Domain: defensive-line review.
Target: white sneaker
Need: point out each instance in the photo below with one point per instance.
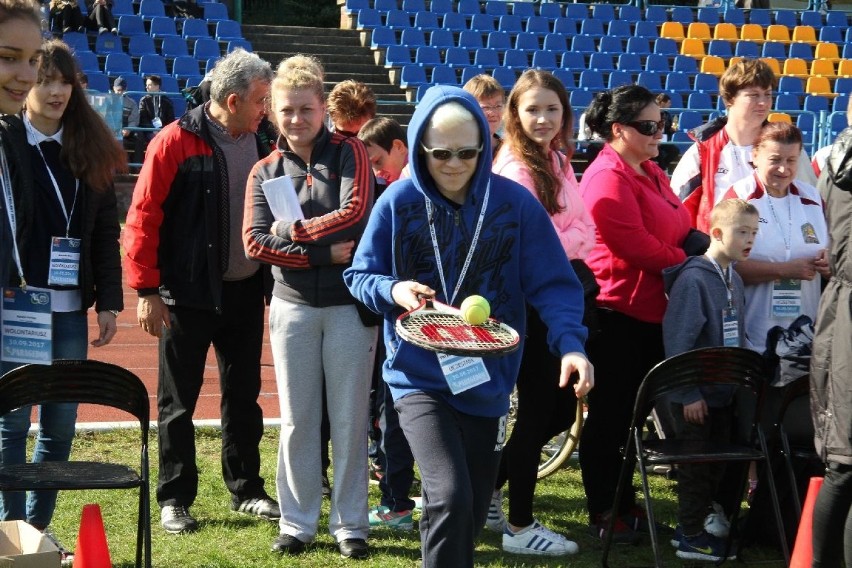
(539, 541)
(716, 523)
(496, 521)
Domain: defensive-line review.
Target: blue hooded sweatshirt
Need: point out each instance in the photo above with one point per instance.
(518, 260)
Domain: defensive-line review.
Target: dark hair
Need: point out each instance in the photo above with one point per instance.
(83, 127)
(780, 132)
(619, 105)
(20, 10)
(382, 131)
(546, 181)
(156, 79)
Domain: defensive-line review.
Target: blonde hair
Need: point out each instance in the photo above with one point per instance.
(451, 115)
(484, 86)
(728, 211)
(300, 72)
(350, 100)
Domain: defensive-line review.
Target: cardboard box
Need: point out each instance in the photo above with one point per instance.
(23, 546)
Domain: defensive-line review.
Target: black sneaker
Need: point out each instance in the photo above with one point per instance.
(288, 544)
(261, 507)
(326, 486)
(354, 548)
(176, 519)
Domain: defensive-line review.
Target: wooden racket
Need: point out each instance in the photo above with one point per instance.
(441, 328)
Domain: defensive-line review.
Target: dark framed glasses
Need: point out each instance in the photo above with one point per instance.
(444, 154)
(647, 127)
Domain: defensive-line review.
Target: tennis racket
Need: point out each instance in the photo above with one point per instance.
(441, 328)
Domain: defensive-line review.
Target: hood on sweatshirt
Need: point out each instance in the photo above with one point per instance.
(435, 97)
(671, 273)
(839, 163)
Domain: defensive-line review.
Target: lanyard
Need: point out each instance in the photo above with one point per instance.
(725, 276)
(788, 238)
(55, 183)
(156, 103)
(10, 212)
(473, 243)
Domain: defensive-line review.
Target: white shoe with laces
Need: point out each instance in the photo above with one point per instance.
(496, 521)
(716, 523)
(537, 540)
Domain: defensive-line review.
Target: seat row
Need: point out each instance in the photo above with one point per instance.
(163, 26)
(211, 11)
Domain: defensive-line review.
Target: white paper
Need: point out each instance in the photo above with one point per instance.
(282, 199)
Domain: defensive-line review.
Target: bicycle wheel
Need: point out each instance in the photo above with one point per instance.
(556, 452)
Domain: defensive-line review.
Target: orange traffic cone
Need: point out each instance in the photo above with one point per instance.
(803, 550)
(92, 550)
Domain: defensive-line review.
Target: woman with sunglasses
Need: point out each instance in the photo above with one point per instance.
(641, 228)
(721, 154)
(538, 124)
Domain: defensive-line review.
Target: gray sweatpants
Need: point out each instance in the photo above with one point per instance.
(313, 347)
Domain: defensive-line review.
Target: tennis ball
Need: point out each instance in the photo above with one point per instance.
(475, 310)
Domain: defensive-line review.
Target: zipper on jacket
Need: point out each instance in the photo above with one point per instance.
(457, 217)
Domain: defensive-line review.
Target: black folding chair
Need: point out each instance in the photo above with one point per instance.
(715, 365)
(797, 389)
(93, 382)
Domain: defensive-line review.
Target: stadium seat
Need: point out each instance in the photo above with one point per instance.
(726, 31)
(811, 18)
(206, 48)
(215, 11)
(427, 56)
(836, 18)
(457, 57)
(108, 43)
(591, 81)
(685, 64)
(619, 78)
(699, 30)
(795, 67)
(173, 47)
(499, 40)
(678, 83)
(517, 59)
(129, 26)
(629, 13)
(689, 119)
(239, 43)
(787, 18)
(706, 83)
(637, 45)
(487, 58)
(713, 65)
(192, 80)
(591, 28)
(399, 20)
(226, 30)
(454, 22)
(152, 65)
(631, 62)
(426, 21)
(805, 34)
(779, 117)
(672, 30)
(87, 61)
(834, 34)
(692, 47)
(708, 15)
(184, 66)
(779, 33)
(169, 84)
(151, 8)
(467, 39)
(118, 64)
(787, 102)
(385, 5)
(618, 29)
(368, 19)
(413, 6)
(573, 61)
(549, 10)
(648, 30)
(720, 48)
(194, 29)
(583, 44)
(747, 49)
(555, 42)
(544, 60)
(819, 86)
(802, 51)
(752, 32)
(844, 68)
(840, 103)
(657, 63)
(397, 56)
(805, 123)
(565, 26)
(76, 41)
(760, 16)
(537, 25)
(444, 75)
(163, 26)
(482, 23)
(497, 8)
(699, 101)
(666, 46)
(469, 73)
(843, 86)
(579, 98)
(734, 16)
(505, 76)
(567, 78)
(441, 6)
(601, 62)
(603, 12)
(527, 41)
(774, 49)
(577, 11)
(682, 14)
(468, 7)
(412, 76)
(442, 38)
(826, 51)
(773, 64)
(611, 45)
(815, 104)
(121, 8)
(650, 81)
(823, 68)
(99, 82)
(847, 51)
(656, 14)
(792, 85)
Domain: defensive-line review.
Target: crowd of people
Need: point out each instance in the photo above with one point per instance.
(274, 191)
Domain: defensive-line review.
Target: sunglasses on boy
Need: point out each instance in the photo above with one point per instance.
(444, 154)
(646, 127)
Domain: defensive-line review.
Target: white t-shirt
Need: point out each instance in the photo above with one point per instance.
(798, 219)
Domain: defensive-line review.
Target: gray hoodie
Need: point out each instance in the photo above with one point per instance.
(693, 317)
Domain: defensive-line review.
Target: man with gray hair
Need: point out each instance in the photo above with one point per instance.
(186, 261)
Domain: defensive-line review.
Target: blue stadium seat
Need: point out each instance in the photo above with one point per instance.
(761, 17)
(457, 57)
(415, 38)
(565, 26)
(573, 61)
(555, 42)
(666, 46)
(708, 15)
(76, 41)
(583, 44)
(482, 23)
(131, 25)
(194, 29)
(369, 20)
(837, 123)
(580, 98)
(516, 59)
(87, 61)
(840, 103)
(469, 73)
(239, 43)
(544, 60)
(468, 7)
(685, 64)
(505, 76)
(523, 10)
(163, 26)
(550, 10)
(791, 85)
(185, 66)
(657, 63)
(537, 25)
(682, 14)
(215, 11)
(637, 45)
(843, 85)
(413, 6)
(397, 56)
(836, 18)
(441, 6)
(815, 103)
(601, 62)
(678, 83)
(226, 30)
(802, 51)
(206, 48)
(656, 14)
(397, 20)
(805, 123)
(833, 34)
(629, 62)
(469, 39)
(629, 13)
(787, 18)
(720, 48)
(689, 119)
(734, 16)
(192, 80)
(108, 43)
(649, 30)
(811, 18)
(700, 101)
(603, 12)
(591, 81)
(121, 8)
(99, 82)
(174, 47)
(567, 78)
(135, 84)
(786, 102)
(591, 28)
(747, 49)
(611, 45)
(650, 81)
(527, 41)
(496, 8)
(618, 28)
(444, 75)
(350, 7)
(576, 11)
(847, 51)
(170, 85)
(412, 76)
(442, 38)
(499, 40)
(774, 49)
(152, 65)
(619, 78)
(150, 8)
(426, 21)
(485, 57)
(385, 5)
(512, 24)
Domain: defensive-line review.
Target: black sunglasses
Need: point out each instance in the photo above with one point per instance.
(647, 127)
(444, 154)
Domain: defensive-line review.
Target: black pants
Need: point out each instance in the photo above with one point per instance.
(237, 337)
(395, 454)
(623, 352)
(100, 17)
(832, 528)
(544, 410)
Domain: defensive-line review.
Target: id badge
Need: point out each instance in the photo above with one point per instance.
(463, 373)
(730, 328)
(27, 326)
(157, 122)
(786, 298)
(64, 269)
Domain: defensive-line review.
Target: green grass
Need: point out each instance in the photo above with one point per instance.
(229, 540)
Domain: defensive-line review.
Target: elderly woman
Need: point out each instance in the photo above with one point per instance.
(721, 154)
(641, 228)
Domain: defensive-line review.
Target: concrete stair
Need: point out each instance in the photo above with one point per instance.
(342, 53)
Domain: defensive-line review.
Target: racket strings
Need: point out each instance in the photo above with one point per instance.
(451, 330)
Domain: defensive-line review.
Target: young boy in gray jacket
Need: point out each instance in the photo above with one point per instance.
(705, 310)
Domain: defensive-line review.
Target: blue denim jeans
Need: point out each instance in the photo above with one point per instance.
(56, 428)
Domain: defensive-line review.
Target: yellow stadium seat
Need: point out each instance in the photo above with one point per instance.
(692, 47)
(734, 60)
(796, 67)
(805, 34)
(773, 64)
(823, 68)
(725, 31)
(752, 32)
(713, 65)
(825, 50)
(778, 33)
(819, 86)
(779, 117)
(699, 30)
(672, 30)
(844, 68)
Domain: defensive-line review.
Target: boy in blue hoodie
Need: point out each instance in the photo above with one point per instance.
(705, 310)
(451, 230)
